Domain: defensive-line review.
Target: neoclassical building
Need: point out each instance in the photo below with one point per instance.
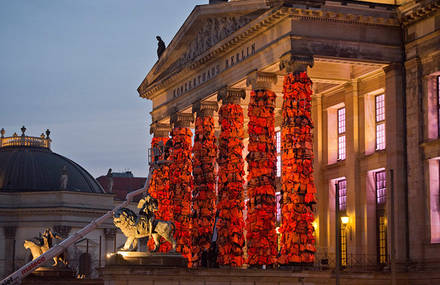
(375, 69)
(41, 189)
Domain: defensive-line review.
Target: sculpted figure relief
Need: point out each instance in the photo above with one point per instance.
(144, 225)
(41, 244)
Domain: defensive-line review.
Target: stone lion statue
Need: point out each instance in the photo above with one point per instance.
(134, 227)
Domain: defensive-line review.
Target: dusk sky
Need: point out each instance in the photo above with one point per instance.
(73, 66)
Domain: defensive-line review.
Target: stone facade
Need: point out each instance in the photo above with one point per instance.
(359, 51)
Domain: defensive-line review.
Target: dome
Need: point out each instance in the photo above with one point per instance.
(28, 165)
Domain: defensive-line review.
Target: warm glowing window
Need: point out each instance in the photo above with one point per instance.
(278, 199)
(343, 246)
(278, 144)
(382, 240)
(380, 122)
(342, 191)
(438, 104)
(341, 134)
(381, 187)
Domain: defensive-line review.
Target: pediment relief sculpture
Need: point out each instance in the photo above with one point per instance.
(214, 30)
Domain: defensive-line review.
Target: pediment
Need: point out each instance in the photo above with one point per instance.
(206, 26)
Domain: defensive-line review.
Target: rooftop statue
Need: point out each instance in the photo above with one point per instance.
(42, 243)
(160, 46)
(144, 225)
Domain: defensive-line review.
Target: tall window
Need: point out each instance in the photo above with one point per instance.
(381, 220)
(380, 122)
(341, 134)
(381, 187)
(438, 104)
(278, 145)
(342, 188)
(342, 194)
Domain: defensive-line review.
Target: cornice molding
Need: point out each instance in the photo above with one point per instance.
(415, 11)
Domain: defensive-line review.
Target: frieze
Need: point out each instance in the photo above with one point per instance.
(214, 70)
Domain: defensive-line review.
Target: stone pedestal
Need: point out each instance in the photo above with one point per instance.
(147, 259)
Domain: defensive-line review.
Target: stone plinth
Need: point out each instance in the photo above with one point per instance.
(148, 259)
(140, 274)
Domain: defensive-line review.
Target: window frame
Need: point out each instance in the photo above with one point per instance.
(341, 155)
(379, 122)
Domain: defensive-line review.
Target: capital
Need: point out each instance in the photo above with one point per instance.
(261, 80)
(205, 109)
(295, 63)
(160, 130)
(231, 95)
(181, 120)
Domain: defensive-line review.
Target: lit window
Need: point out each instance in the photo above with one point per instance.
(380, 122)
(343, 246)
(382, 238)
(342, 191)
(341, 134)
(438, 104)
(381, 187)
(278, 144)
(278, 199)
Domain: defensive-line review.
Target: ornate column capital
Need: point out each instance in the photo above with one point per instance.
(9, 232)
(62, 230)
(205, 109)
(181, 120)
(293, 63)
(109, 233)
(261, 80)
(230, 95)
(159, 130)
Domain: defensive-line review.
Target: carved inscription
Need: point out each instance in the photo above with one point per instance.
(214, 70)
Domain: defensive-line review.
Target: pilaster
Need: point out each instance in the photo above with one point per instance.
(395, 146)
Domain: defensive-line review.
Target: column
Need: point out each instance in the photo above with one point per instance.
(181, 181)
(230, 178)
(298, 187)
(159, 185)
(204, 173)
(9, 250)
(261, 204)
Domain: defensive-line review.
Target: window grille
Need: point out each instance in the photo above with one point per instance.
(342, 188)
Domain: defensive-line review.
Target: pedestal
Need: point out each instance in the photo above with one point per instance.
(148, 259)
